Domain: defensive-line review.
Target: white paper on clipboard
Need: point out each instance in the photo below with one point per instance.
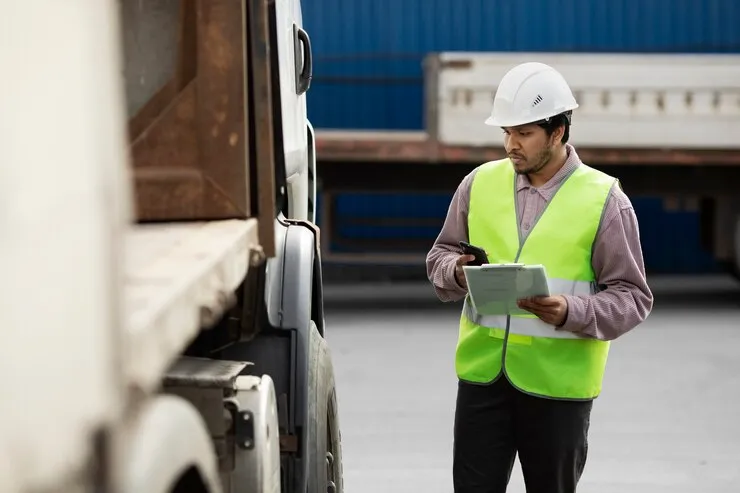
(495, 288)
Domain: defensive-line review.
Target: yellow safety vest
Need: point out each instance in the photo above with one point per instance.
(535, 357)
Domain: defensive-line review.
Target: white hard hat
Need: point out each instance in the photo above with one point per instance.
(528, 93)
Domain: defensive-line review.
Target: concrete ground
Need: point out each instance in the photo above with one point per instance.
(667, 421)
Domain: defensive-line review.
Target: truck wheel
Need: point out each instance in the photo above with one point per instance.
(324, 440)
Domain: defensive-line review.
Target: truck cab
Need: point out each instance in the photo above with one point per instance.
(296, 68)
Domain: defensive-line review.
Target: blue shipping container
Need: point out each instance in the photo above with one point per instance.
(659, 228)
(368, 53)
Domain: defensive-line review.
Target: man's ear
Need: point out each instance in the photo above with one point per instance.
(557, 135)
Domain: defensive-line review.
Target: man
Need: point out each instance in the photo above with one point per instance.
(526, 383)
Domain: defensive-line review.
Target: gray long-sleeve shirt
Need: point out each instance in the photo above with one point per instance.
(617, 257)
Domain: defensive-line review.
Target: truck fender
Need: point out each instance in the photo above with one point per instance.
(293, 300)
(168, 439)
(294, 294)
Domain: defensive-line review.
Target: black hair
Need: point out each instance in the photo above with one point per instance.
(551, 124)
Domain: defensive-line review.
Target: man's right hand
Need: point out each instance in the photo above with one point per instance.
(459, 274)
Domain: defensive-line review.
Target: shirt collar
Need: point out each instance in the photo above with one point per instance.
(571, 163)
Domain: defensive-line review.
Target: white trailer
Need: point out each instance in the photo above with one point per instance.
(147, 347)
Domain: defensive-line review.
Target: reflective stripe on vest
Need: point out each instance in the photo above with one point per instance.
(531, 326)
(535, 357)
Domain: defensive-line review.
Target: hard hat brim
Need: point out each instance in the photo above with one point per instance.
(492, 121)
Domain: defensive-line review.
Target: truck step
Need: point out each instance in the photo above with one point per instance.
(189, 371)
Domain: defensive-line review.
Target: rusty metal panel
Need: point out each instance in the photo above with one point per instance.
(262, 137)
(221, 100)
(188, 117)
(150, 40)
(198, 87)
(185, 88)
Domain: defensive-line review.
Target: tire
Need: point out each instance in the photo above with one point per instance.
(324, 439)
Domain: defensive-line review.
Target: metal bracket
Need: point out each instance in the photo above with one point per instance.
(289, 444)
(253, 295)
(308, 224)
(244, 430)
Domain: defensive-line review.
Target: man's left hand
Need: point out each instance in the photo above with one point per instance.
(550, 309)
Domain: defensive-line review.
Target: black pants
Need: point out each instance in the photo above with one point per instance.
(495, 422)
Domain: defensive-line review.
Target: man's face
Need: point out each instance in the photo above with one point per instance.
(529, 147)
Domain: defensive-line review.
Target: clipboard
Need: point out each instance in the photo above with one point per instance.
(494, 289)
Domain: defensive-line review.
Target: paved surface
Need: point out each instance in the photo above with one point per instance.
(668, 420)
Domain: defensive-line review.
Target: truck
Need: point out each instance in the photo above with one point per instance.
(665, 124)
(163, 323)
